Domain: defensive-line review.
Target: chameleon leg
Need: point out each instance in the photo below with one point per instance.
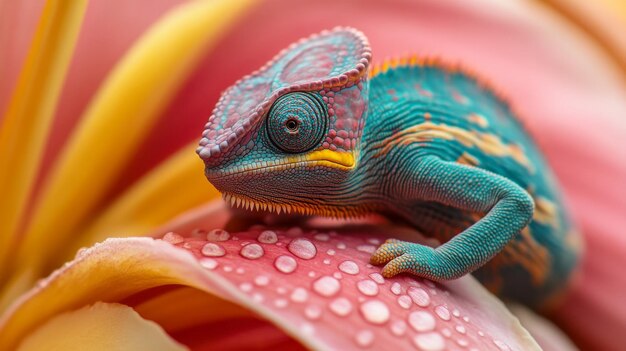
(509, 209)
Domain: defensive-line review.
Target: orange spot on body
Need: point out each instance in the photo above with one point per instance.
(458, 97)
(478, 119)
(489, 144)
(467, 159)
(546, 212)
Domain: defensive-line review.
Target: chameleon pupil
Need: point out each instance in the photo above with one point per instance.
(292, 125)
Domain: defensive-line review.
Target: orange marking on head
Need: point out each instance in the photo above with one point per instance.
(428, 116)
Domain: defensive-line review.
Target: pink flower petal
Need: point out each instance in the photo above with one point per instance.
(317, 304)
(310, 294)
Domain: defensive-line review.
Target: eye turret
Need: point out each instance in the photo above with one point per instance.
(297, 122)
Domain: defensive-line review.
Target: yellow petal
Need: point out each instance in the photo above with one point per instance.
(25, 126)
(122, 114)
(175, 186)
(102, 326)
(111, 271)
(604, 21)
(198, 307)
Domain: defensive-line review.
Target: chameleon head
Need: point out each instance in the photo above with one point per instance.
(292, 127)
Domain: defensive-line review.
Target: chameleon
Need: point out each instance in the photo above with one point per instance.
(319, 130)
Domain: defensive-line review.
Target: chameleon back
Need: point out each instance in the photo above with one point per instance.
(442, 111)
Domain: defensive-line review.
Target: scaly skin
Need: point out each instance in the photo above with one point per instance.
(317, 131)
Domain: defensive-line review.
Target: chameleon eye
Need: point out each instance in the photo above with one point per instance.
(297, 122)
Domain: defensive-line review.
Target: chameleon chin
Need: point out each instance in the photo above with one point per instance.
(320, 130)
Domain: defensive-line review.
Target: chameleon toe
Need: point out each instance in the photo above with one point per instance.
(389, 250)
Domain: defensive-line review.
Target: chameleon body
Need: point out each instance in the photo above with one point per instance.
(319, 131)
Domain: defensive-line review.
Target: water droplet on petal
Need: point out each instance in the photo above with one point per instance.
(312, 312)
(299, 295)
(341, 306)
(462, 342)
(321, 237)
(218, 235)
(367, 287)
(366, 248)
(364, 338)
(378, 278)
(198, 233)
(331, 252)
(285, 264)
(312, 274)
(349, 267)
(227, 269)
(375, 311)
(326, 261)
(422, 321)
(245, 287)
(430, 341)
(240, 270)
(326, 286)
(258, 297)
(443, 312)
(262, 280)
(337, 275)
(173, 238)
(404, 301)
(446, 332)
(252, 251)
(281, 303)
(396, 288)
(398, 328)
(307, 329)
(466, 319)
(373, 241)
(302, 248)
(208, 263)
(341, 246)
(213, 250)
(419, 296)
(268, 237)
(461, 329)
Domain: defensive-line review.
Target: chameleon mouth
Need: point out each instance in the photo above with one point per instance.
(343, 160)
(250, 204)
(239, 201)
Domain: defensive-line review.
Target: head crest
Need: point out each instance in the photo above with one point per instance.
(329, 59)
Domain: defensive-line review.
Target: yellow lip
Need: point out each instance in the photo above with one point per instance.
(339, 159)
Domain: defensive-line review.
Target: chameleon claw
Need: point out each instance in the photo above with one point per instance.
(406, 257)
(389, 250)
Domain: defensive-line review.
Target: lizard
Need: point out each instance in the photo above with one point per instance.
(319, 130)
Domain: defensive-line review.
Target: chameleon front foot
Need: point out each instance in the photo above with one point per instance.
(406, 257)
